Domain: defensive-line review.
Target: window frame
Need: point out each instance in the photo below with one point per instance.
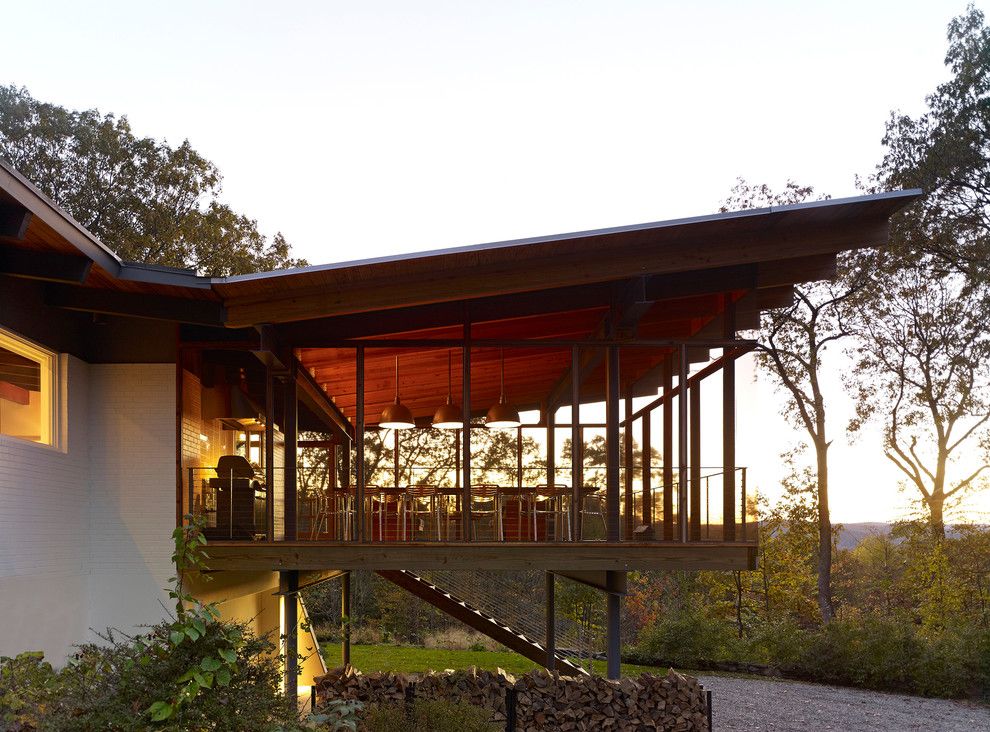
(50, 382)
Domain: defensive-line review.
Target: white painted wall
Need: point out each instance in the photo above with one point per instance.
(132, 492)
(44, 529)
(85, 527)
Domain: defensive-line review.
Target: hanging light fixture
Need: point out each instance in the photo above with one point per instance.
(449, 416)
(397, 415)
(502, 416)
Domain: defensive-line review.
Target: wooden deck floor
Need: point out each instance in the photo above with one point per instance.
(321, 555)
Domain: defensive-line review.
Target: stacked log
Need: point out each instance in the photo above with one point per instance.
(544, 701)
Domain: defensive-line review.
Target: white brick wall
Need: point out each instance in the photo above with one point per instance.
(44, 530)
(132, 492)
(85, 529)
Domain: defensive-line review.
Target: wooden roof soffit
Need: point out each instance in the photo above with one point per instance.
(135, 305)
(426, 283)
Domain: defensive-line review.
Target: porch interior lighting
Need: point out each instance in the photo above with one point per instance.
(502, 416)
(448, 416)
(397, 415)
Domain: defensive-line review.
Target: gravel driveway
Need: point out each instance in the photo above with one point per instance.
(766, 704)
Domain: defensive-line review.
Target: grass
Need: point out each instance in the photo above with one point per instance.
(413, 659)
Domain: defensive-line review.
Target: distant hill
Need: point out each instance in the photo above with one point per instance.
(851, 534)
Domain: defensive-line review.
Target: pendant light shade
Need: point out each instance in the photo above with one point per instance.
(397, 415)
(449, 416)
(502, 416)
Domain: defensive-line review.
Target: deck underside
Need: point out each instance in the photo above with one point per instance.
(315, 555)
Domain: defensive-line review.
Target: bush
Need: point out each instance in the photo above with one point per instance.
(689, 639)
(429, 716)
(26, 683)
(110, 687)
(780, 644)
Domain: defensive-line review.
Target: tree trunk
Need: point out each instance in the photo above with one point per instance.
(824, 534)
(936, 504)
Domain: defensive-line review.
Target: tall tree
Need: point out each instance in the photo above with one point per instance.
(792, 344)
(946, 152)
(923, 366)
(148, 201)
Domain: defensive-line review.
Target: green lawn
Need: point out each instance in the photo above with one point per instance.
(411, 659)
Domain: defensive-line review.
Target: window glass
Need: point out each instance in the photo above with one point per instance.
(27, 379)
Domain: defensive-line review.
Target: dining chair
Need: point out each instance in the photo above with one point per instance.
(555, 510)
(484, 504)
(419, 501)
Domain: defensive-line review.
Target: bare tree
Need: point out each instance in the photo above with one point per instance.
(792, 343)
(923, 367)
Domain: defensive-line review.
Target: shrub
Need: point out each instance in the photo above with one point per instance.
(429, 716)
(689, 639)
(110, 687)
(26, 683)
(781, 644)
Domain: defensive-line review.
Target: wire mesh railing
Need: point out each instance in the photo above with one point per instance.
(238, 504)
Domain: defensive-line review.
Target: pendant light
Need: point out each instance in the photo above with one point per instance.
(397, 415)
(502, 416)
(449, 416)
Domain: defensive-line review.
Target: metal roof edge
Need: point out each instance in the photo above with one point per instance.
(906, 196)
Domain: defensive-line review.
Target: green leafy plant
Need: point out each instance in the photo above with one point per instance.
(192, 618)
(26, 682)
(337, 715)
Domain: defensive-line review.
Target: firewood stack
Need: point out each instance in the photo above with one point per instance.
(543, 701)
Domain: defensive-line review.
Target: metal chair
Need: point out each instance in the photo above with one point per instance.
(420, 500)
(484, 504)
(554, 500)
(592, 504)
(337, 504)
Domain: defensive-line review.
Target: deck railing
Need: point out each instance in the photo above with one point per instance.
(505, 507)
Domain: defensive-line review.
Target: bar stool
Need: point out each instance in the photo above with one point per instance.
(553, 497)
(333, 503)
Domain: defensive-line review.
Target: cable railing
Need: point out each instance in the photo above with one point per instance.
(422, 504)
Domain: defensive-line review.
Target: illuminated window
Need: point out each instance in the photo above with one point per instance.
(27, 390)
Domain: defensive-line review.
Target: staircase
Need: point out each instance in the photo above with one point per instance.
(483, 623)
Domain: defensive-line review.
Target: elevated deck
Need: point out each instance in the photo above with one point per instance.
(562, 556)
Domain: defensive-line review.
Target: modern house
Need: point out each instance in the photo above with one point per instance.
(132, 395)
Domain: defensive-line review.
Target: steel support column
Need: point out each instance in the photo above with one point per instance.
(345, 619)
(629, 502)
(668, 450)
(359, 476)
(577, 459)
(682, 446)
(269, 452)
(551, 644)
(612, 629)
(695, 408)
(466, 435)
(289, 585)
(729, 428)
(612, 444)
(290, 431)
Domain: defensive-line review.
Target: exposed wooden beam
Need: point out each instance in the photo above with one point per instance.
(14, 220)
(45, 266)
(13, 393)
(556, 557)
(317, 400)
(599, 580)
(134, 305)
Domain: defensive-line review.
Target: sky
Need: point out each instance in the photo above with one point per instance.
(360, 129)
